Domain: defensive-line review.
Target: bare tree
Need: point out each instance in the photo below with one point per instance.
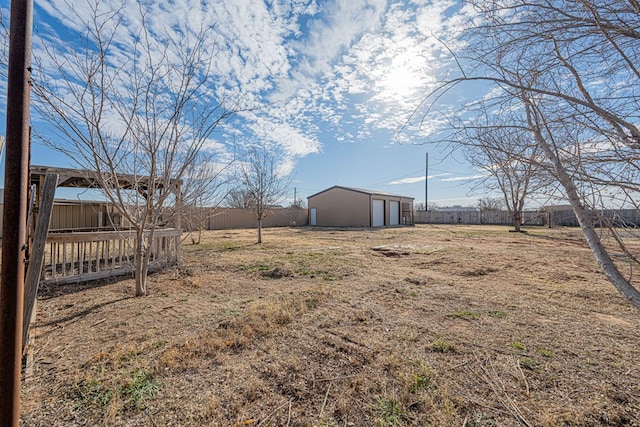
(205, 191)
(488, 203)
(298, 204)
(569, 69)
(263, 181)
(432, 206)
(135, 104)
(511, 160)
(239, 199)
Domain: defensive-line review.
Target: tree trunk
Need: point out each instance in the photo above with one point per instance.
(260, 231)
(142, 263)
(140, 276)
(599, 251)
(517, 221)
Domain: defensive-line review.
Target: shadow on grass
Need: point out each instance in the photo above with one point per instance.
(82, 313)
(576, 240)
(54, 290)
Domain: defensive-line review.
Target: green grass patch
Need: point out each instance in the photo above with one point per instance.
(420, 382)
(518, 346)
(143, 386)
(390, 413)
(442, 346)
(463, 314)
(528, 363)
(93, 391)
(498, 314)
(139, 388)
(545, 352)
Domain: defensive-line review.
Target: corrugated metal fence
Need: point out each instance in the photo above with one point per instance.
(230, 218)
(75, 215)
(559, 217)
(78, 216)
(477, 217)
(93, 215)
(84, 215)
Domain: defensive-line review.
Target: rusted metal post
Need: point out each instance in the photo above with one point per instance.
(15, 210)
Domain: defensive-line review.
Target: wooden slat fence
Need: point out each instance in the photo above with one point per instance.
(81, 256)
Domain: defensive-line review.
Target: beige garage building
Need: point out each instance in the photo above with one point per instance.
(354, 207)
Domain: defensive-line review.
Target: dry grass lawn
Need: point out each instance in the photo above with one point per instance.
(421, 326)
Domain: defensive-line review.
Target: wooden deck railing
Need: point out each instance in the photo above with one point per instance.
(81, 256)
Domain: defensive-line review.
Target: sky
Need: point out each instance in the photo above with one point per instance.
(339, 84)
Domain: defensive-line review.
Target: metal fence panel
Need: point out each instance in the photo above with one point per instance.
(86, 216)
(557, 217)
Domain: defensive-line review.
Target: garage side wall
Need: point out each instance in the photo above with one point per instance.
(341, 208)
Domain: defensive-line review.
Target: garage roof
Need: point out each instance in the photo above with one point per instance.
(361, 190)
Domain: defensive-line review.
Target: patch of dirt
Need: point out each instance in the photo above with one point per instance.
(440, 325)
(277, 273)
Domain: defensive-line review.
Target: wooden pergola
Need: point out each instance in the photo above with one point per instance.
(87, 255)
(83, 178)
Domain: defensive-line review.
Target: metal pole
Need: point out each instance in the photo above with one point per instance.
(426, 185)
(15, 211)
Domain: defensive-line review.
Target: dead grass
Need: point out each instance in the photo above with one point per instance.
(442, 326)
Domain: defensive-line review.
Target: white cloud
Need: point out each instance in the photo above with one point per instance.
(407, 180)
(415, 179)
(290, 139)
(341, 23)
(463, 178)
(348, 67)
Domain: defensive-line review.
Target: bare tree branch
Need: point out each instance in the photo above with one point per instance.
(141, 106)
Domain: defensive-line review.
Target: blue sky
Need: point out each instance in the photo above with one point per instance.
(341, 79)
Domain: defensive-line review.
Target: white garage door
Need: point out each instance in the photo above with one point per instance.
(378, 213)
(394, 213)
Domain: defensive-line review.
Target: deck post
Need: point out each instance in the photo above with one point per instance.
(34, 268)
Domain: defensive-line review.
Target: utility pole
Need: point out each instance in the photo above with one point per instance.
(295, 194)
(14, 224)
(426, 185)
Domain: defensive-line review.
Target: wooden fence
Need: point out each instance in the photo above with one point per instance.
(82, 256)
